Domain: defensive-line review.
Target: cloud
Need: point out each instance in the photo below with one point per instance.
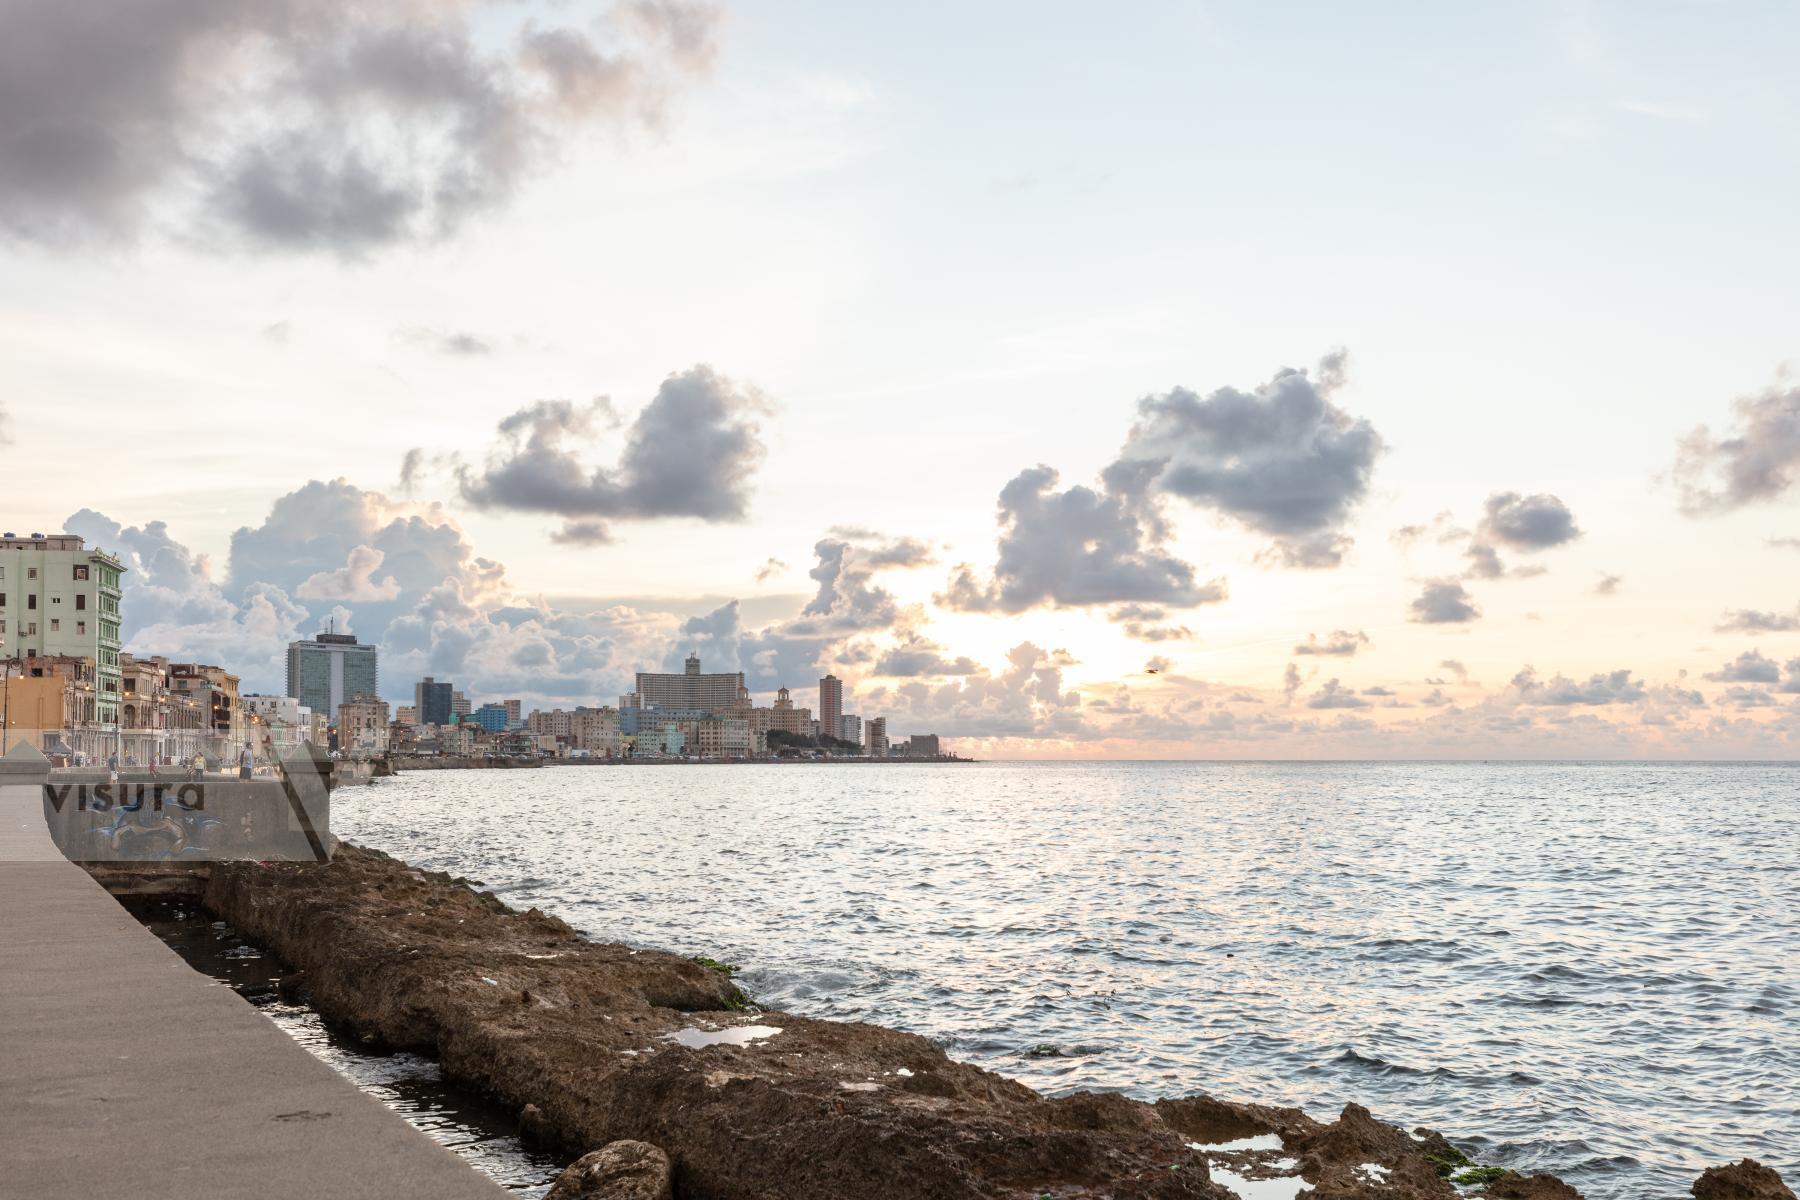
(1758, 462)
(920, 657)
(1784, 543)
(1528, 523)
(454, 342)
(1442, 528)
(1746, 697)
(1456, 668)
(1335, 695)
(1281, 460)
(1615, 687)
(1341, 643)
(1290, 683)
(1144, 622)
(1444, 602)
(1025, 699)
(1315, 551)
(692, 452)
(1750, 620)
(1749, 667)
(1073, 548)
(324, 125)
(1607, 584)
(353, 582)
(770, 568)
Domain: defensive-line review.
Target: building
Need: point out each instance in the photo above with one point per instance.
(214, 691)
(875, 738)
(50, 701)
(717, 692)
(331, 668)
(406, 714)
(514, 714)
(60, 599)
(287, 722)
(433, 701)
(595, 730)
(850, 728)
(785, 717)
(460, 708)
(831, 704)
(362, 724)
(156, 725)
(923, 745)
(492, 717)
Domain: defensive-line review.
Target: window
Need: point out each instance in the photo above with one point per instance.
(56, 599)
(81, 602)
(81, 572)
(31, 572)
(80, 626)
(31, 600)
(55, 625)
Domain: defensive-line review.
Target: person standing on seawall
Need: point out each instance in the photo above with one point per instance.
(245, 762)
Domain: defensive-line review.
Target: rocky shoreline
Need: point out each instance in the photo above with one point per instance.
(654, 1072)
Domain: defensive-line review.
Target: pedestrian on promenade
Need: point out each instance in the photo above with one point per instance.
(246, 761)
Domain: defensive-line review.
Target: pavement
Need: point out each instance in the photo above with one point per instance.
(125, 1072)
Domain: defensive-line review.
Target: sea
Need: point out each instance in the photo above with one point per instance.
(1589, 968)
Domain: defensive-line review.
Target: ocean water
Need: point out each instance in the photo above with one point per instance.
(1586, 968)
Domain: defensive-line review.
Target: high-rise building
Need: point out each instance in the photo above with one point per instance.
(831, 704)
(515, 714)
(491, 717)
(329, 670)
(875, 738)
(59, 598)
(460, 708)
(433, 700)
(714, 693)
(850, 728)
(923, 745)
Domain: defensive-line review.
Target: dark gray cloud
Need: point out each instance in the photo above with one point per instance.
(1528, 523)
(1444, 602)
(313, 124)
(1752, 666)
(1750, 620)
(1281, 460)
(1334, 695)
(1076, 547)
(1342, 643)
(1615, 687)
(691, 452)
(1759, 461)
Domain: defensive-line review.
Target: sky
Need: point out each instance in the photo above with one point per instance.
(1174, 380)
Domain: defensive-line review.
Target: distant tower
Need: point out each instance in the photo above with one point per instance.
(693, 664)
(831, 704)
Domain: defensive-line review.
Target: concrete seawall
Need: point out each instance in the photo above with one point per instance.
(123, 1072)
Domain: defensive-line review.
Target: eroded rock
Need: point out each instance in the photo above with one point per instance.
(623, 1170)
(1745, 1180)
(597, 1044)
(1531, 1187)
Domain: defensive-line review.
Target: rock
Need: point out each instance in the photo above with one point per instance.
(619, 1171)
(624, 1043)
(1746, 1180)
(1531, 1187)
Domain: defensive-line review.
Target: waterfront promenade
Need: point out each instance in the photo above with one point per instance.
(124, 1072)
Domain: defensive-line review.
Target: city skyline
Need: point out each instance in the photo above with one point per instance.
(1159, 388)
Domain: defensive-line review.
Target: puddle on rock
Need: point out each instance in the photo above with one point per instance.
(738, 1035)
(482, 1133)
(1285, 1188)
(1262, 1141)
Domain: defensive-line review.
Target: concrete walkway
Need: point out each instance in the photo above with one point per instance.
(125, 1072)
